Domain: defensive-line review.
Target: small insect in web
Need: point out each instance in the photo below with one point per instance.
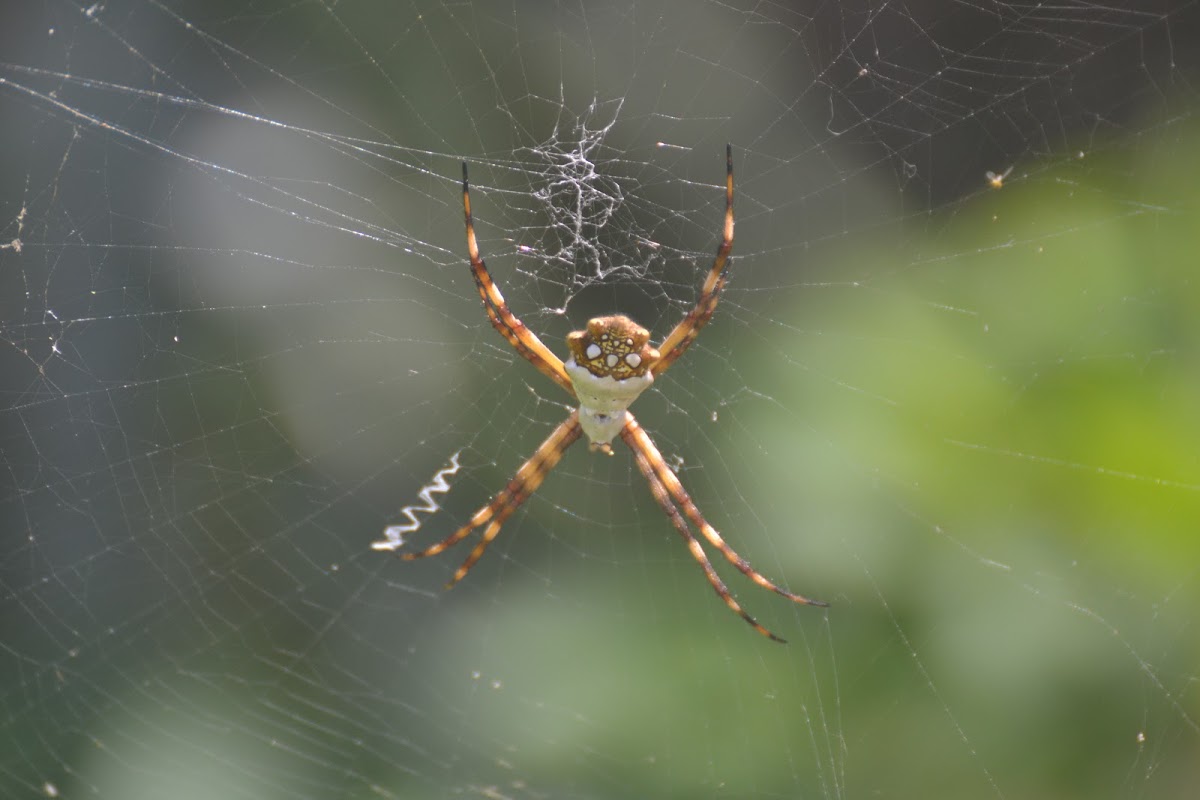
(608, 366)
(996, 181)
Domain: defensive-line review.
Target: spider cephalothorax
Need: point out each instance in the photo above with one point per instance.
(610, 364)
(614, 347)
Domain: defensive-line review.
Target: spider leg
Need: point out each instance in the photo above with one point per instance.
(528, 478)
(679, 339)
(636, 437)
(644, 457)
(503, 320)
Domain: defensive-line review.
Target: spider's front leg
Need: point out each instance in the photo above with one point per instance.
(523, 340)
(682, 336)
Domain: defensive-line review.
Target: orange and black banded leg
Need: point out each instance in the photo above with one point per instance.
(679, 339)
(503, 319)
(663, 496)
(528, 478)
(637, 438)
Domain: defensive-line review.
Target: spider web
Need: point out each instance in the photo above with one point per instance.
(950, 389)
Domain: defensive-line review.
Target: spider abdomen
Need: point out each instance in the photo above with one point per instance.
(603, 400)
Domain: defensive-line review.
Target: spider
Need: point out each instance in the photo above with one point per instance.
(608, 366)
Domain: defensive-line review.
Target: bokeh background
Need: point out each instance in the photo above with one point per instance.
(238, 334)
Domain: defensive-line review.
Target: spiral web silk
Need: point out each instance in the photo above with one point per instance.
(394, 534)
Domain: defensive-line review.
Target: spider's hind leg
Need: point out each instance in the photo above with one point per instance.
(671, 482)
(643, 459)
(528, 478)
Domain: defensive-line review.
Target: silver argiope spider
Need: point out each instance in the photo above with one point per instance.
(609, 365)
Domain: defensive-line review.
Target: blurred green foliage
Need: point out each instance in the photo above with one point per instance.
(989, 463)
